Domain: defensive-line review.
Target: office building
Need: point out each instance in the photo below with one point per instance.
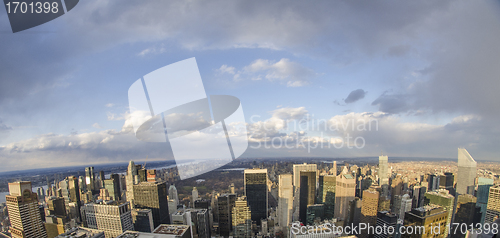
(429, 217)
(466, 211)
(483, 192)
(24, 214)
(382, 174)
(109, 216)
(131, 178)
(433, 182)
(241, 218)
(153, 195)
(194, 195)
(326, 194)
(255, 182)
(315, 213)
(285, 200)
(307, 193)
(344, 193)
(225, 204)
(172, 194)
(82, 232)
(113, 186)
(142, 220)
(466, 172)
(444, 199)
(301, 167)
(369, 208)
(163, 231)
(390, 222)
(90, 178)
(493, 205)
(406, 205)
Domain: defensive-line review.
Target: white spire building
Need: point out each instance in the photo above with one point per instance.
(466, 172)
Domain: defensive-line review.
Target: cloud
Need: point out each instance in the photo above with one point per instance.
(110, 105)
(355, 96)
(113, 117)
(96, 125)
(392, 103)
(4, 127)
(284, 71)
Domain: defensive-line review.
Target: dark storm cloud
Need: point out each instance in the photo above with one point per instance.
(391, 103)
(355, 96)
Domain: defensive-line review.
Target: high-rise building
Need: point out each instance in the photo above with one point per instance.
(301, 167)
(24, 215)
(113, 187)
(493, 207)
(225, 204)
(256, 192)
(466, 211)
(429, 217)
(354, 212)
(315, 212)
(390, 222)
(142, 220)
(56, 221)
(203, 223)
(90, 178)
(433, 182)
(153, 195)
(344, 193)
(285, 200)
(194, 194)
(382, 170)
(241, 217)
(172, 194)
(418, 196)
(326, 194)
(446, 182)
(483, 192)
(111, 217)
(406, 204)
(466, 172)
(369, 208)
(130, 181)
(444, 199)
(307, 193)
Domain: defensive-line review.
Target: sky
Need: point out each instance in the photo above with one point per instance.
(423, 74)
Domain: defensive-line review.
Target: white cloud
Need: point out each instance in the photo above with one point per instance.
(285, 71)
(96, 125)
(110, 105)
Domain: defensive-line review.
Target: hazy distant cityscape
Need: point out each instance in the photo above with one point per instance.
(280, 197)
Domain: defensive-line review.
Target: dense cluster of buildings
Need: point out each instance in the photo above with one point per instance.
(274, 199)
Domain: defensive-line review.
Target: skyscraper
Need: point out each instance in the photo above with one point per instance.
(387, 219)
(113, 187)
(90, 178)
(444, 199)
(382, 170)
(466, 172)
(241, 217)
(130, 181)
(429, 217)
(285, 200)
(256, 192)
(172, 194)
(307, 193)
(194, 194)
(345, 192)
(493, 207)
(153, 195)
(483, 192)
(406, 203)
(326, 194)
(113, 218)
(225, 204)
(143, 220)
(24, 215)
(302, 167)
(369, 208)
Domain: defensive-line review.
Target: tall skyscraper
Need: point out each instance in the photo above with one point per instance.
(444, 199)
(307, 193)
(90, 178)
(493, 207)
(113, 218)
(301, 167)
(153, 195)
(24, 215)
(172, 194)
(285, 200)
(113, 187)
(130, 180)
(382, 170)
(433, 182)
(483, 192)
(446, 182)
(466, 210)
(406, 204)
(143, 220)
(256, 192)
(326, 194)
(56, 221)
(466, 172)
(225, 204)
(369, 208)
(241, 217)
(345, 192)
